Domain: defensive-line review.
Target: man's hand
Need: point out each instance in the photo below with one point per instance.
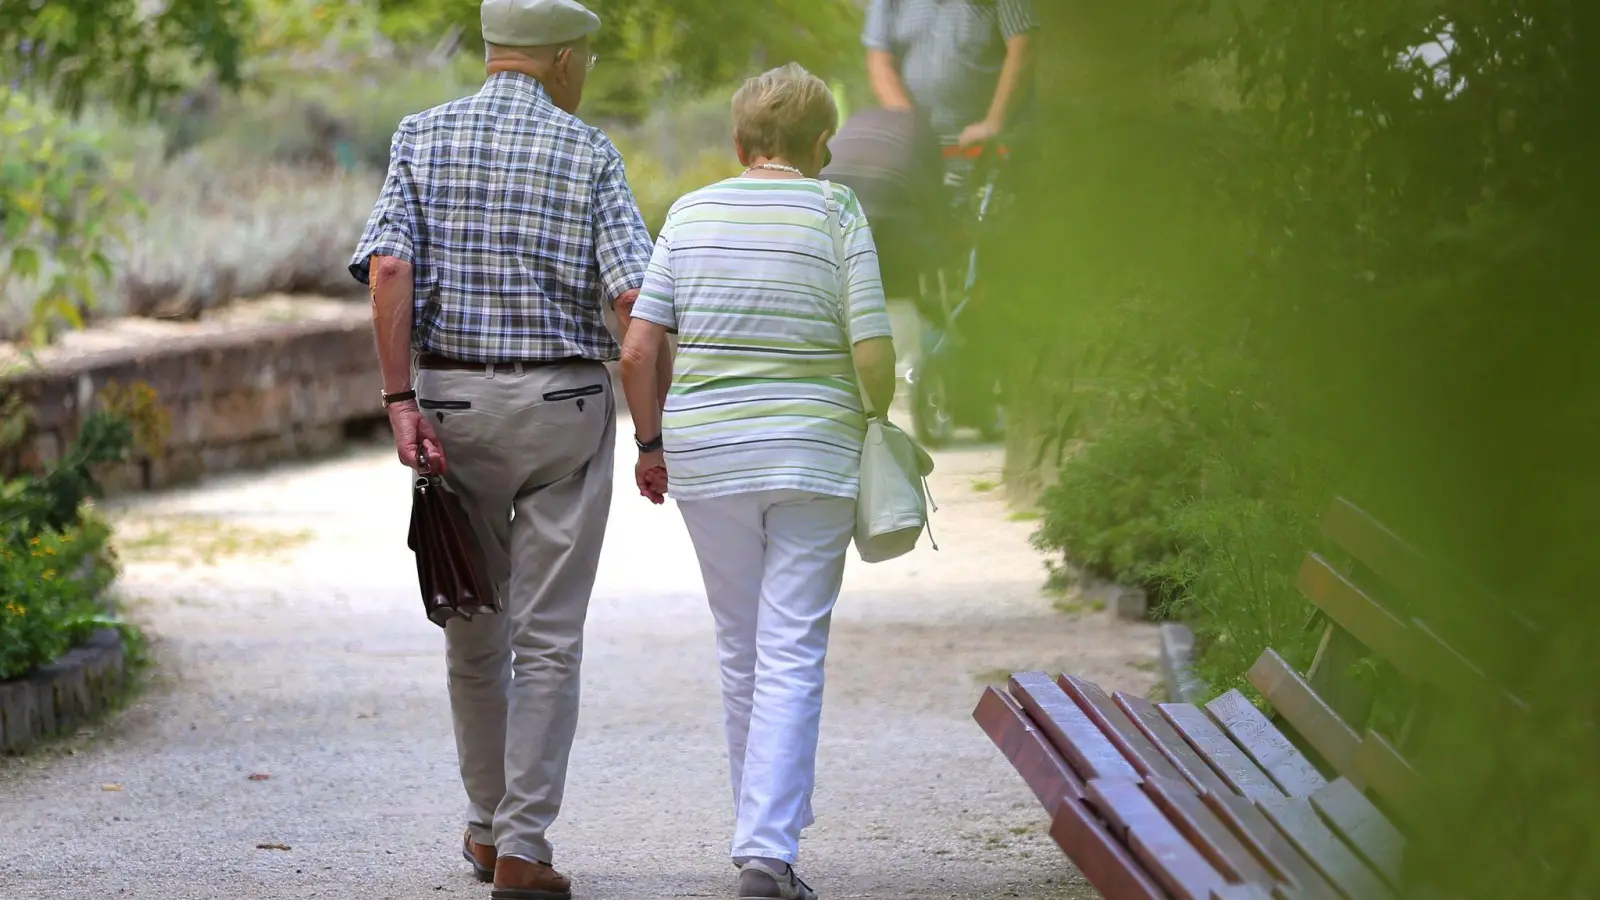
(623, 307)
(412, 433)
(650, 473)
(980, 133)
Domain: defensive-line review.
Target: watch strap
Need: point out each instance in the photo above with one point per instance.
(647, 446)
(398, 397)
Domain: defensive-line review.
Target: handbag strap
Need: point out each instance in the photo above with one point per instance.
(836, 227)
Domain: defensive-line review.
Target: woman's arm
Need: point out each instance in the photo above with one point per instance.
(643, 382)
(874, 359)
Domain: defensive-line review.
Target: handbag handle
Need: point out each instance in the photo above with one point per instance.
(836, 227)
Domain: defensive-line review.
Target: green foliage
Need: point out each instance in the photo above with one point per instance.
(49, 595)
(651, 47)
(55, 556)
(123, 50)
(60, 201)
(61, 208)
(1268, 258)
(1111, 512)
(52, 501)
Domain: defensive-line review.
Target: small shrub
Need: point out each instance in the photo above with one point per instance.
(1111, 511)
(47, 605)
(55, 555)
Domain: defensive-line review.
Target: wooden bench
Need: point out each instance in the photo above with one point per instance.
(1221, 802)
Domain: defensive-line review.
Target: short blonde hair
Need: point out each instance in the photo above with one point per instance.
(783, 112)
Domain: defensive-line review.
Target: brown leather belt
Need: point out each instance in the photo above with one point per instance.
(444, 363)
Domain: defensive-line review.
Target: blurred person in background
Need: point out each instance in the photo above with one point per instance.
(504, 230)
(962, 71)
(965, 65)
(761, 437)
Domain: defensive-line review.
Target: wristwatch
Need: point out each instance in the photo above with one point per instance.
(647, 446)
(398, 397)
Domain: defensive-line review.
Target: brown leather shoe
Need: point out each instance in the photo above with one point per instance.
(481, 856)
(518, 879)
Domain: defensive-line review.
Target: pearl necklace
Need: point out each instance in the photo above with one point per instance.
(775, 167)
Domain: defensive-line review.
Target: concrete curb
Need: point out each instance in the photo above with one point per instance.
(59, 697)
(1177, 665)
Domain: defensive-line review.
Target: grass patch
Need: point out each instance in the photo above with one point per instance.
(992, 677)
(200, 540)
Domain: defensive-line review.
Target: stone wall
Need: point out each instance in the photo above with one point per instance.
(237, 398)
(239, 395)
(56, 699)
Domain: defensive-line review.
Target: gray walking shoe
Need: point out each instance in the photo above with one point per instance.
(759, 881)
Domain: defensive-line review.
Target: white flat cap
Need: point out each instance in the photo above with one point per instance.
(536, 23)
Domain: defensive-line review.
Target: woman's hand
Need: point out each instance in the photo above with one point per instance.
(650, 474)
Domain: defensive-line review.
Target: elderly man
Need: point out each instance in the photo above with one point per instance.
(965, 63)
(504, 229)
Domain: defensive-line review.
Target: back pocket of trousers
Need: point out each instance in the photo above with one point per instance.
(574, 393)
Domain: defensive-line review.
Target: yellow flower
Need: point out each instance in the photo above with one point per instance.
(49, 574)
(16, 610)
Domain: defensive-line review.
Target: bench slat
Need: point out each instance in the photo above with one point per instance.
(1174, 862)
(1028, 749)
(1363, 826)
(1338, 653)
(1083, 744)
(1226, 759)
(1240, 892)
(1304, 710)
(1356, 612)
(1195, 770)
(1184, 808)
(1269, 844)
(1447, 667)
(1332, 857)
(1116, 725)
(1105, 862)
(1266, 744)
(1386, 773)
(1496, 638)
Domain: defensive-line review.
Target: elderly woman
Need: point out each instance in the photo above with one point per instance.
(761, 435)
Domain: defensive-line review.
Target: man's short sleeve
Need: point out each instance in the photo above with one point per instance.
(388, 231)
(879, 31)
(657, 299)
(622, 243)
(1016, 17)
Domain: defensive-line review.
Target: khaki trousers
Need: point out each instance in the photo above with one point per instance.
(531, 456)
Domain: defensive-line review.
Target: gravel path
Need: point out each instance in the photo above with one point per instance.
(291, 646)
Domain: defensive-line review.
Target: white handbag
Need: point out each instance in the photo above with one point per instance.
(892, 504)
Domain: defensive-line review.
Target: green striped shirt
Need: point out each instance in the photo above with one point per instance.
(763, 392)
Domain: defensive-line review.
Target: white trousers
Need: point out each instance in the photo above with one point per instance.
(772, 562)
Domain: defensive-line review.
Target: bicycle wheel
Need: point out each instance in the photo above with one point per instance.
(931, 416)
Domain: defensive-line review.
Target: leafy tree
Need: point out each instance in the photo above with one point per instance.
(649, 46)
(124, 50)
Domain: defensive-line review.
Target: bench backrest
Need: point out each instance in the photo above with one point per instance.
(1400, 651)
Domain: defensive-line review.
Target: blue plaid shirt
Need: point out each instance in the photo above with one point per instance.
(518, 222)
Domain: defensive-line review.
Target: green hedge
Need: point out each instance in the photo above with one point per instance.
(1263, 263)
